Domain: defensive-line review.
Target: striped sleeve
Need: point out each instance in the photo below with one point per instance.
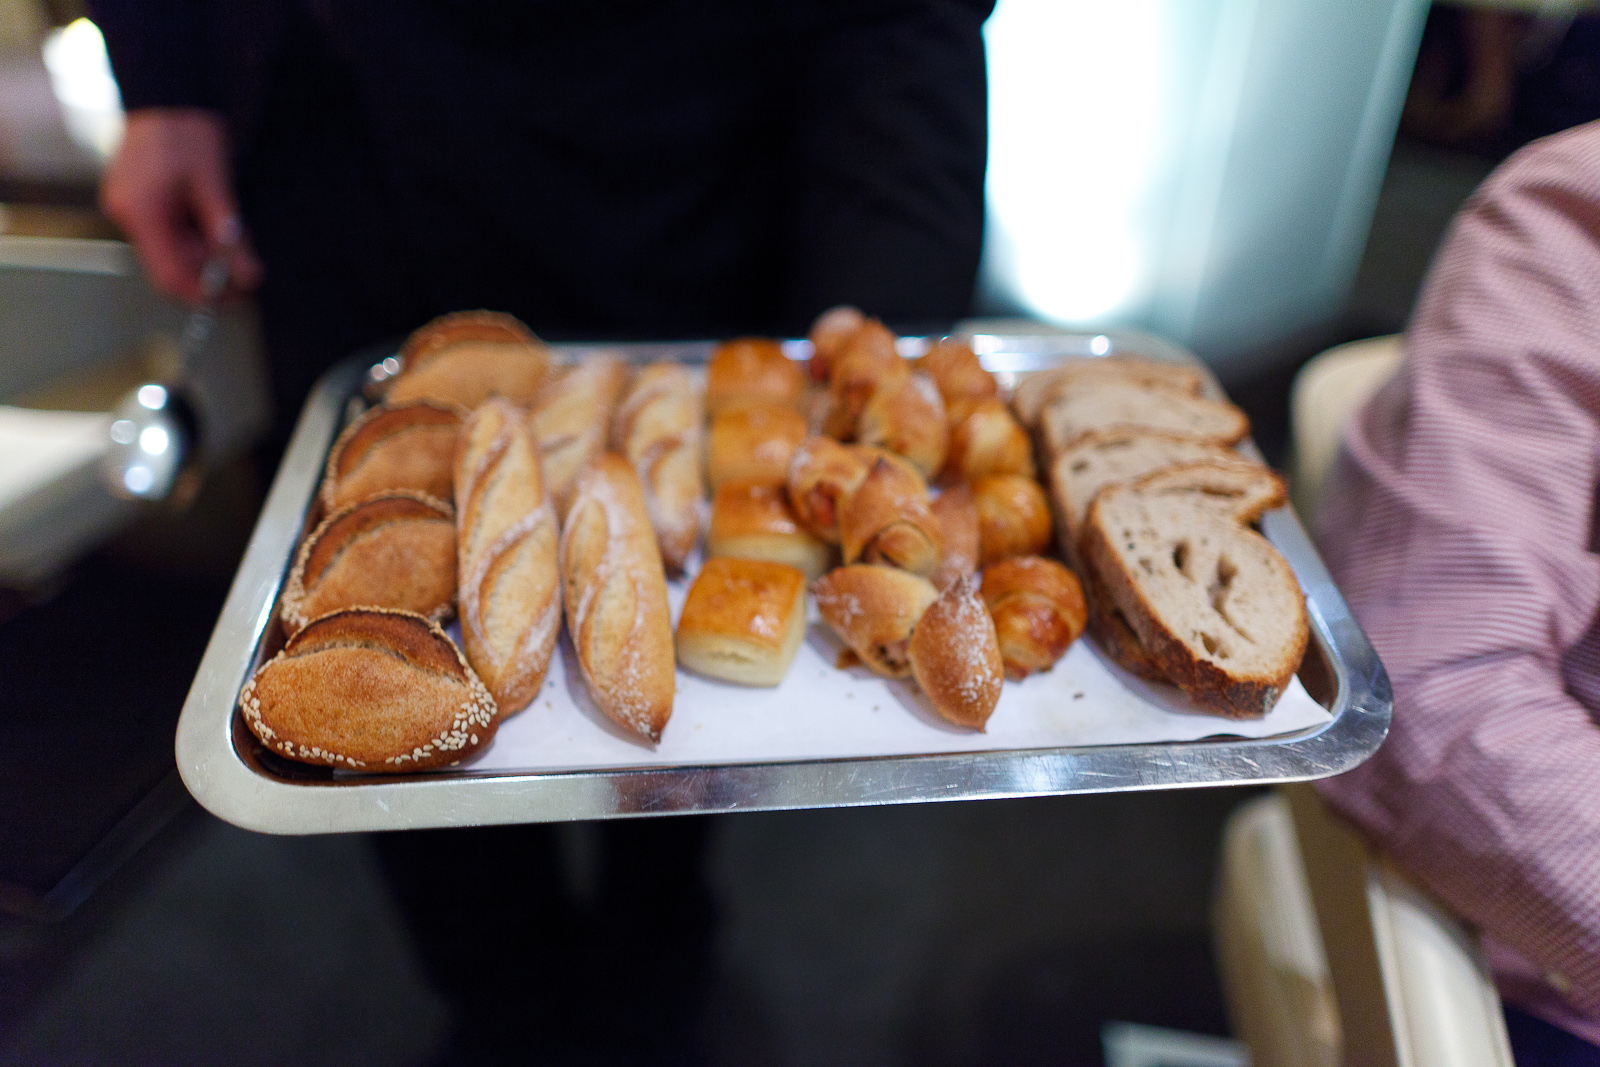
(1459, 524)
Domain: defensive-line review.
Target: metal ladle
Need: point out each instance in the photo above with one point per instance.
(155, 429)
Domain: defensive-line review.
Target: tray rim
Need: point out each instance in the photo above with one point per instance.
(228, 787)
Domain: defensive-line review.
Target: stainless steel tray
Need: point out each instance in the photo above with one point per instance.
(237, 780)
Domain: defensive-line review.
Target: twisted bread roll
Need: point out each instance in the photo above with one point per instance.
(873, 609)
(571, 420)
(907, 417)
(822, 476)
(1038, 610)
(1013, 517)
(616, 594)
(956, 370)
(887, 520)
(506, 544)
(828, 335)
(865, 363)
(986, 439)
(657, 428)
(957, 512)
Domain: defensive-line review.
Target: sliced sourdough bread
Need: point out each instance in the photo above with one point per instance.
(1110, 457)
(1236, 487)
(1120, 405)
(1213, 604)
(1036, 391)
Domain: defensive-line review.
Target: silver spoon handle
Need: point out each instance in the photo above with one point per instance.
(197, 327)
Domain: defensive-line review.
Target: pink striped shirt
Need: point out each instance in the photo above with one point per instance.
(1461, 524)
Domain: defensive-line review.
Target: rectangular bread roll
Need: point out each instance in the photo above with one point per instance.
(506, 543)
(743, 621)
(616, 596)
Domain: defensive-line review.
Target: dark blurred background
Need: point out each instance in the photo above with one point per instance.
(138, 929)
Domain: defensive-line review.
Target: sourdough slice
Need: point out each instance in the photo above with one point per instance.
(1035, 391)
(1234, 487)
(1213, 603)
(1111, 632)
(1120, 405)
(1110, 457)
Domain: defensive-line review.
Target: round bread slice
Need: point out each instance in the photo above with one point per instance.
(469, 356)
(1212, 602)
(369, 690)
(394, 446)
(394, 550)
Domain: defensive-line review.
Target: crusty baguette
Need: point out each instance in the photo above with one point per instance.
(369, 689)
(469, 356)
(571, 420)
(1110, 457)
(1035, 391)
(394, 446)
(1213, 603)
(743, 621)
(874, 609)
(955, 656)
(506, 542)
(1119, 405)
(1038, 610)
(393, 550)
(616, 596)
(906, 416)
(888, 520)
(957, 511)
(658, 428)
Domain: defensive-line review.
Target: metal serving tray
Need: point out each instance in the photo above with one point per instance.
(233, 777)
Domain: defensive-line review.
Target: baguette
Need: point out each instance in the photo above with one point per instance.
(1036, 391)
(467, 357)
(616, 596)
(393, 550)
(1214, 605)
(1119, 405)
(506, 543)
(658, 428)
(955, 656)
(371, 690)
(394, 446)
(571, 420)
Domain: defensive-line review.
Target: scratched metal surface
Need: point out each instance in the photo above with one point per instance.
(236, 780)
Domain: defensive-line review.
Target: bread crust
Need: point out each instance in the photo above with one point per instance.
(955, 656)
(1239, 489)
(888, 520)
(1112, 633)
(616, 596)
(467, 357)
(754, 441)
(571, 420)
(1013, 517)
(986, 439)
(1038, 610)
(1109, 406)
(907, 417)
(752, 369)
(957, 511)
(372, 690)
(658, 428)
(822, 476)
(956, 370)
(743, 620)
(393, 550)
(828, 335)
(750, 520)
(394, 446)
(874, 608)
(866, 362)
(1035, 391)
(1234, 692)
(510, 592)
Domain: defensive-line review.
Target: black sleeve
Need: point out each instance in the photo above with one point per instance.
(160, 51)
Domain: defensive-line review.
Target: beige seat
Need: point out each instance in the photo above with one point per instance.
(1328, 955)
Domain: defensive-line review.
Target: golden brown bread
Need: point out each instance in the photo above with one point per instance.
(1110, 630)
(957, 511)
(743, 620)
(888, 520)
(1036, 391)
(467, 357)
(958, 373)
(616, 596)
(369, 689)
(866, 362)
(754, 441)
(394, 550)
(822, 475)
(1113, 406)
(394, 446)
(1013, 517)
(750, 520)
(874, 609)
(907, 417)
(1038, 611)
(571, 420)
(955, 656)
(506, 542)
(752, 369)
(658, 428)
(986, 439)
(828, 334)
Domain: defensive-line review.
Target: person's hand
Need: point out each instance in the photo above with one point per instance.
(170, 191)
